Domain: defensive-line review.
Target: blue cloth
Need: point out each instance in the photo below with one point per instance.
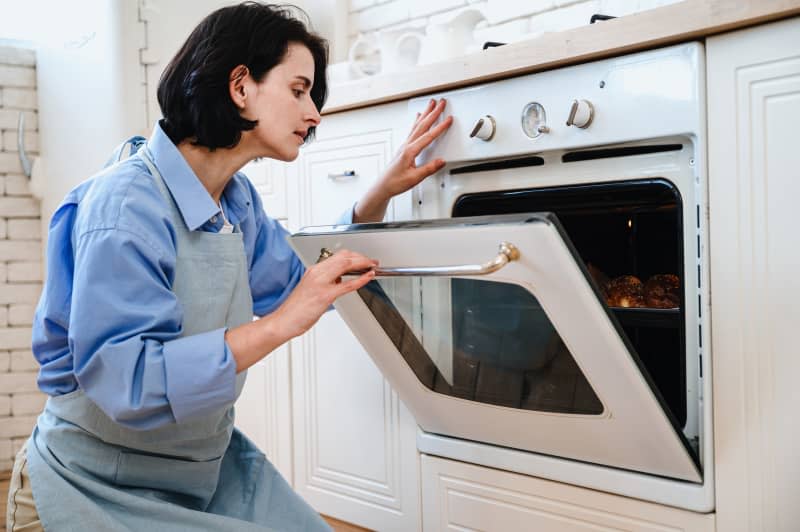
(108, 321)
(88, 472)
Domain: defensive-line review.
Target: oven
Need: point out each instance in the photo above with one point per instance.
(546, 312)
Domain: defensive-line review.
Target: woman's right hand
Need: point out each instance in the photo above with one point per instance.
(319, 287)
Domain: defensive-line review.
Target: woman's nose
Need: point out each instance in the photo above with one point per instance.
(313, 115)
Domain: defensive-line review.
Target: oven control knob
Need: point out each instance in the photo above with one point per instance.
(581, 114)
(484, 128)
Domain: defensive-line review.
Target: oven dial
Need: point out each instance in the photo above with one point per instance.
(484, 128)
(534, 120)
(580, 114)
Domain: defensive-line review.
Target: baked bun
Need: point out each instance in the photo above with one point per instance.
(662, 291)
(625, 291)
(600, 279)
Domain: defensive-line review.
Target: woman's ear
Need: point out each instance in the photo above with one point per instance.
(237, 86)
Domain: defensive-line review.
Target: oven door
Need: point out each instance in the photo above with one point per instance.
(492, 330)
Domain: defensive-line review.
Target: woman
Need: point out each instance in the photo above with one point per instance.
(155, 269)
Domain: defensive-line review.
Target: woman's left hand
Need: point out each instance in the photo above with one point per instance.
(403, 173)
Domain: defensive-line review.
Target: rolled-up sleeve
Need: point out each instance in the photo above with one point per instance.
(275, 269)
(124, 334)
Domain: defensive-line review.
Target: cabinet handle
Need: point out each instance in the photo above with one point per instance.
(343, 176)
(508, 252)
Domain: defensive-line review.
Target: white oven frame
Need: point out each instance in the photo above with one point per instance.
(673, 122)
(680, 168)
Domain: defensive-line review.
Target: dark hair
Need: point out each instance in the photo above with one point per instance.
(193, 90)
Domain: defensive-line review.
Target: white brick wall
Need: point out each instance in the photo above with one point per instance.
(20, 255)
(506, 20)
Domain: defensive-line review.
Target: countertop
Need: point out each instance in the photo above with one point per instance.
(671, 24)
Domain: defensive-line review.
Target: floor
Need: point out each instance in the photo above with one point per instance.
(338, 526)
(341, 526)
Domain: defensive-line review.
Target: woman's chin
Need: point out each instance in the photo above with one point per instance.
(288, 155)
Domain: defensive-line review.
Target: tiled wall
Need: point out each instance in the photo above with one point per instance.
(506, 20)
(20, 254)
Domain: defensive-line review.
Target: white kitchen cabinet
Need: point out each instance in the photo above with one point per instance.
(355, 455)
(263, 411)
(459, 496)
(753, 114)
(264, 408)
(269, 178)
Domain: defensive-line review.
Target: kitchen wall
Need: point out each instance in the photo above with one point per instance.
(506, 20)
(20, 254)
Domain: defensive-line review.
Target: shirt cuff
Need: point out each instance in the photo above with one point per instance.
(201, 374)
(346, 218)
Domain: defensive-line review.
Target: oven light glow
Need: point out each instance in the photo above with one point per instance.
(630, 223)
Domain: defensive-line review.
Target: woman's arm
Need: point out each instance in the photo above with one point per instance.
(319, 287)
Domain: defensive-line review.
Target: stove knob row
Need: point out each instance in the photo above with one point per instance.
(534, 120)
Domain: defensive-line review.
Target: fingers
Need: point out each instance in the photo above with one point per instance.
(425, 139)
(421, 115)
(428, 168)
(344, 261)
(427, 118)
(355, 283)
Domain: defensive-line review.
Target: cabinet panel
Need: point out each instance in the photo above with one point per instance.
(335, 173)
(351, 428)
(753, 112)
(354, 441)
(263, 410)
(459, 496)
(269, 179)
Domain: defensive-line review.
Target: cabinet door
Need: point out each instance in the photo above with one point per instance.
(354, 441)
(269, 179)
(753, 113)
(459, 496)
(263, 410)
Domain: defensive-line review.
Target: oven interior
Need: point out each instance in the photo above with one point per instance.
(504, 348)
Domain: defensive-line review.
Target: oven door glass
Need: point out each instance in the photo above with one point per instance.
(491, 330)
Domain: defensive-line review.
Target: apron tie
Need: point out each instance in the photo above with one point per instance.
(135, 142)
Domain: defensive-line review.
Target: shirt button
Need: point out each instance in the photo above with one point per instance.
(213, 219)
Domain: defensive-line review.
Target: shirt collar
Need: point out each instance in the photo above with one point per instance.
(192, 199)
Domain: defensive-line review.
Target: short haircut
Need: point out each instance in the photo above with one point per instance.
(193, 90)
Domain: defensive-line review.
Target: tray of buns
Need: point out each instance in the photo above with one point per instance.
(652, 303)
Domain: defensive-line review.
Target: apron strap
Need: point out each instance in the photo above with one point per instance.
(135, 142)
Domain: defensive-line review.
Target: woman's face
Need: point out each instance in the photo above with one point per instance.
(282, 104)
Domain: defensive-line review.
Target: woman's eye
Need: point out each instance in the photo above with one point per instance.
(297, 93)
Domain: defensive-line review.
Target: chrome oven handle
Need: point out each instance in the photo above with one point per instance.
(507, 253)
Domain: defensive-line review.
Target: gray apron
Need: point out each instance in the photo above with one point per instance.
(89, 473)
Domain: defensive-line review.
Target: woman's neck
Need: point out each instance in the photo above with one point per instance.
(213, 168)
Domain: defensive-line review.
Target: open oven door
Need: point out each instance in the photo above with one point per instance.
(492, 330)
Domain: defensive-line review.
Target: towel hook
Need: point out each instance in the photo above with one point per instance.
(23, 157)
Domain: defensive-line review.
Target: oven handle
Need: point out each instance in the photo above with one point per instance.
(508, 252)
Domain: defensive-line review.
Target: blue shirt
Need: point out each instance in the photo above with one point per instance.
(108, 321)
